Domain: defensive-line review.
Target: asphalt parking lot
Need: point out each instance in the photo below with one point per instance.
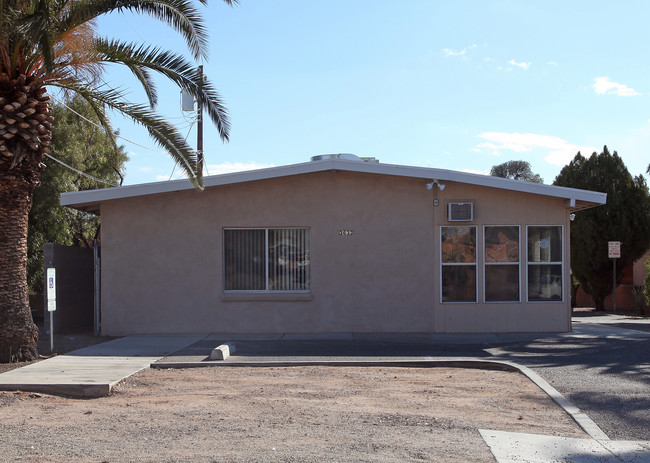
(608, 377)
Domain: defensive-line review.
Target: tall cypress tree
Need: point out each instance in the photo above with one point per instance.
(625, 218)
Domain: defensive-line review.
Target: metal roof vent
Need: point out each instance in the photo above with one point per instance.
(340, 156)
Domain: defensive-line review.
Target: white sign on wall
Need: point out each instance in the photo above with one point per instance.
(51, 289)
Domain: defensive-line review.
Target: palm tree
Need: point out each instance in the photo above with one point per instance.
(54, 43)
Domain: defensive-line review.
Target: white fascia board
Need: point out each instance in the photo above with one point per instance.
(79, 198)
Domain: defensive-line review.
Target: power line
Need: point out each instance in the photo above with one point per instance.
(80, 172)
(176, 163)
(102, 128)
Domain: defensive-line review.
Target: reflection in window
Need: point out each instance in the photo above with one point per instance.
(288, 259)
(458, 260)
(545, 273)
(502, 264)
(266, 259)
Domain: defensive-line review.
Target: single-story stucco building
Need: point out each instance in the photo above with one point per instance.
(338, 244)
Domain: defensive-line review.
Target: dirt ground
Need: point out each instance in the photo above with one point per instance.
(282, 414)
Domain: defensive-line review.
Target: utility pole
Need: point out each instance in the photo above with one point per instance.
(199, 128)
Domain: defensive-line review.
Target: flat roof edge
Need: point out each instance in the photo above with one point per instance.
(80, 198)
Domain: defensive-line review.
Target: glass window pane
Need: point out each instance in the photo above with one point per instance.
(545, 244)
(244, 260)
(501, 244)
(458, 245)
(289, 260)
(502, 283)
(545, 282)
(459, 283)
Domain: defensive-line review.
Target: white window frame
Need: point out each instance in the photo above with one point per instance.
(561, 263)
(454, 264)
(266, 262)
(489, 264)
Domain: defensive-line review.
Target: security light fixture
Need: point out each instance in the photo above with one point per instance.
(441, 186)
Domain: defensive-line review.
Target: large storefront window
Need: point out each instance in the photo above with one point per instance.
(458, 264)
(266, 259)
(502, 263)
(545, 268)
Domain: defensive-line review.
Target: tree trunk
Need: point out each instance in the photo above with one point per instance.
(18, 334)
(25, 135)
(599, 302)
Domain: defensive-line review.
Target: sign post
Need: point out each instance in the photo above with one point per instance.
(51, 302)
(614, 252)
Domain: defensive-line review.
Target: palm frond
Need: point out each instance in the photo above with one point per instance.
(104, 122)
(175, 68)
(137, 59)
(181, 15)
(163, 133)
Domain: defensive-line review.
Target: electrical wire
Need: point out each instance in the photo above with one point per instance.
(102, 128)
(189, 120)
(80, 172)
(176, 163)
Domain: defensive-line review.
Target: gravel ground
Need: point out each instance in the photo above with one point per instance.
(282, 414)
(333, 414)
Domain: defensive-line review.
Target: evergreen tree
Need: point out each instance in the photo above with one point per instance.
(82, 146)
(516, 170)
(625, 218)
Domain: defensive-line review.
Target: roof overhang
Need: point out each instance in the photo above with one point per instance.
(90, 200)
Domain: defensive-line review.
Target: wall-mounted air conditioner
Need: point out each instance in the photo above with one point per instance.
(460, 212)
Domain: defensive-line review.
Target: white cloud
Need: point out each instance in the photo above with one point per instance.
(602, 86)
(559, 151)
(479, 172)
(522, 65)
(217, 169)
(229, 167)
(462, 53)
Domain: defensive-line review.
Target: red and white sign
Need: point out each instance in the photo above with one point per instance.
(614, 249)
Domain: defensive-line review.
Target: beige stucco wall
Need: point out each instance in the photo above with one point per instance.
(162, 258)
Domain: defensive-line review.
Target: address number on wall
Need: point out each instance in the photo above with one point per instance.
(346, 232)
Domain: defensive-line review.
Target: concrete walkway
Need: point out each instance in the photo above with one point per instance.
(93, 371)
(513, 447)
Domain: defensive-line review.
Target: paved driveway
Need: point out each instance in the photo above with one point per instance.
(603, 368)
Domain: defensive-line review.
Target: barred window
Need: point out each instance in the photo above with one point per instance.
(266, 259)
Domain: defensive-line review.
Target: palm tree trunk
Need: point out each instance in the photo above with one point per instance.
(18, 334)
(25, 134)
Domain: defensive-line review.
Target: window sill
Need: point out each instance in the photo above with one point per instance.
(272, 297)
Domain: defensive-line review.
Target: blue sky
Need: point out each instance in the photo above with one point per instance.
(460, 85)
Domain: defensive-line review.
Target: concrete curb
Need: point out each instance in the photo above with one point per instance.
(574, 412)
(586, 423)
(78, 391)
